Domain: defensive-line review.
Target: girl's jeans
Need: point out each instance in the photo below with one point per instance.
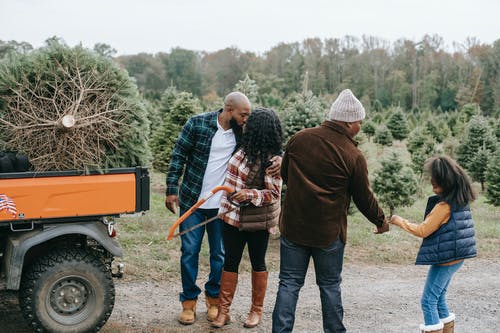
(434, 296)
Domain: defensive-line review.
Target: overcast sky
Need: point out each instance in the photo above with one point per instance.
(253, 25)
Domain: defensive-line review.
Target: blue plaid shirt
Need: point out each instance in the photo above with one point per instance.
(190, 157)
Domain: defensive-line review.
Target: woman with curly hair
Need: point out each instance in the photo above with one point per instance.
(257, 217)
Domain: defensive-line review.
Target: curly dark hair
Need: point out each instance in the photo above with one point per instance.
(456, 184)
(262, 137)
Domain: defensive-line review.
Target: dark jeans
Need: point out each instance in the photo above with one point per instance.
(190, 248)
(234, 244)
(294, 261)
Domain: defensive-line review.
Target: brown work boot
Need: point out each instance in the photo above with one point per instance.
(188, 314)
(259, 286)
(438, 328)
(212, 304)
(449, 323)
(228, 284)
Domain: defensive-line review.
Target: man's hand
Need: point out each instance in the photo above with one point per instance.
(274, 169)
(171, 201)
(383, 228)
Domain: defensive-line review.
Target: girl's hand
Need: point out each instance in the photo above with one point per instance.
(273, 230)
(395, 219)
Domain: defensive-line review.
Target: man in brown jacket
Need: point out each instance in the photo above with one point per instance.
(323, 170)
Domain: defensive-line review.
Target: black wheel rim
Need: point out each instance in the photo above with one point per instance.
(71, 300)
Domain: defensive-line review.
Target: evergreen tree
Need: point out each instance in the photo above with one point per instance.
(450, 146)
(468, 111)
(478, 166)
(394, 184)
(163, 107)
(495, 124)
(369, 129)
(421, 146)
(167, 101)
(493, 180)
(71, 108)
(176, 109)
(377, 106)
(378, 118)
(383, 136)
(398, 125)
(248, 87)
(438, 129)
(478, 135)
(302, 110)
(412, 121)
(442, 131)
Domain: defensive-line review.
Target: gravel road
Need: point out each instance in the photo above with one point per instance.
(377, 299)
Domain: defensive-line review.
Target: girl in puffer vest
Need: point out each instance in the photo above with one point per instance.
(448, 238)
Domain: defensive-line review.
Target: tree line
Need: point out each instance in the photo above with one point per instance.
(422, 74)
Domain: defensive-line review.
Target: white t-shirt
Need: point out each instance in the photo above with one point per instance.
(223, 145)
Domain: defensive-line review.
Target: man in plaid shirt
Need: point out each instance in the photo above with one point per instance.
(200, 158)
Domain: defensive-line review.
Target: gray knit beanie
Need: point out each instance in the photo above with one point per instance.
(347, 108)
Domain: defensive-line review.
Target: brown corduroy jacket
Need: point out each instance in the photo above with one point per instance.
(323, 170)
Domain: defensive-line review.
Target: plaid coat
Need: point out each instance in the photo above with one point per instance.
(236, 177)
(190, 157)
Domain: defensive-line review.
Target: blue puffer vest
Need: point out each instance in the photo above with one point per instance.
(452, 241)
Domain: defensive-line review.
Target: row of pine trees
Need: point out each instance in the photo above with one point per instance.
(466, 135)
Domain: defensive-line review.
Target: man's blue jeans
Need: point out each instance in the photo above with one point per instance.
(434, 296)
(190, 248)
(294, 261)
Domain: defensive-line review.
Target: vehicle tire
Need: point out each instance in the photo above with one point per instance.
(67, 290)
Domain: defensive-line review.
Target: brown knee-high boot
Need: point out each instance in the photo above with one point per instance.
(259, 286)
(228, 283)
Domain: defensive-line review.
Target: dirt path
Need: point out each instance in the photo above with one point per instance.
(377, 299)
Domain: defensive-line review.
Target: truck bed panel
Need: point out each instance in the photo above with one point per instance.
(49, 197)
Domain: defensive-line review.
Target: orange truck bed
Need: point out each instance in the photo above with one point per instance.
(28, 196)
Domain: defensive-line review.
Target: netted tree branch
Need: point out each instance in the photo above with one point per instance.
(69, 109)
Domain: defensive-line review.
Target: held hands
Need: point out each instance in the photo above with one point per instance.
(171, 201)
(383, 228)
(395, 219)
(275, 168)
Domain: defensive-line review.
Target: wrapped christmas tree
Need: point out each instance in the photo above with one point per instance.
(70, 108)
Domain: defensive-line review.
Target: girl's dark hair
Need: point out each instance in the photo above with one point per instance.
(456, 184)
(262, 137)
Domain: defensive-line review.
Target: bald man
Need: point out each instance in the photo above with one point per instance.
(201, 154)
